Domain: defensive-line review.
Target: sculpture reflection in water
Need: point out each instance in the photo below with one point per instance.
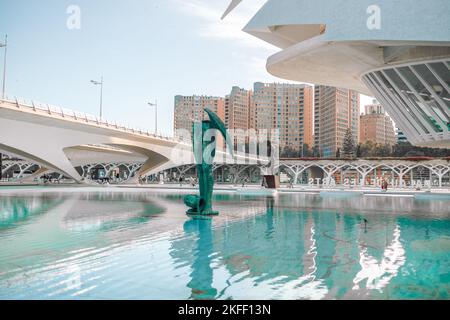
(202, 276)
(204, 148)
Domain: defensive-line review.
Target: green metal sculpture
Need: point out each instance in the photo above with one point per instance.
(204, 152)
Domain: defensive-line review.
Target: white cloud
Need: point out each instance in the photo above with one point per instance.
(253, 58)
(231, 27)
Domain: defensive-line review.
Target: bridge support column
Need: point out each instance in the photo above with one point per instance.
(40, 172)
(152, 165)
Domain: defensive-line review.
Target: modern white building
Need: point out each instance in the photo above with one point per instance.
(397, 51)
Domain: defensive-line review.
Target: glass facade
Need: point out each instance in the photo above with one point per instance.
(417, 96)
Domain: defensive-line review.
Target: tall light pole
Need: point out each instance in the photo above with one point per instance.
(4, 45)
(100, 83)
(156, 114)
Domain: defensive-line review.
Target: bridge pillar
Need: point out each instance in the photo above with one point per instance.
(316, 172)
(40, 172)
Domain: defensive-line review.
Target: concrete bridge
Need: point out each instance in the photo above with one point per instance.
(59, 140)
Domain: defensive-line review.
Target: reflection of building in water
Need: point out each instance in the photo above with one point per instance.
(345, 235)
(80, 211)
(14, 210)
(346, 202)
(255, 247)
(428, 243)
(288, 254)
(380, 272)
(273, 256)
(87, 212)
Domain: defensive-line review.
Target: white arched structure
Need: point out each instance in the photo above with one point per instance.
(20, 166)
(399, 168)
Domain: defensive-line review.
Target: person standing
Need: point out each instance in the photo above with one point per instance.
(384, 185)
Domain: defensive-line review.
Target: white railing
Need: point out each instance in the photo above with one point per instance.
(82, 117)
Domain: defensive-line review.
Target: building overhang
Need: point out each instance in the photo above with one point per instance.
(342, 63)
(330, 43)
(353, 43)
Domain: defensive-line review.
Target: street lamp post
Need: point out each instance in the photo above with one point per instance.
(4, 45)
(156, 114)
(100, 83)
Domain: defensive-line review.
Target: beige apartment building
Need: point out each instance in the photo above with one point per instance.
(376, 126)
(335, 110)
(287, 107)
(237, 108)
(191, 108)
(237, 115)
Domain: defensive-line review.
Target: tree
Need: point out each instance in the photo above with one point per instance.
(316, 152)
(307, 152)
(405, 149)
(358, 151)
(402, 149)
(383, 150)
(348, 148)
(288, 152)
(338, 153)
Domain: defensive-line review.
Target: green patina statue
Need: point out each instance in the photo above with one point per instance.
(204, 152)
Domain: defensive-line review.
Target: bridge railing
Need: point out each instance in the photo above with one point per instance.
(52, 110)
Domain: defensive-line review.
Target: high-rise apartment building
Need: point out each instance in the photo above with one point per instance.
(374, 108)
(354, 113)
(191, 108)
(237, 108)
(335, 110)
(287, 107)
(237, 115)
(376, 126)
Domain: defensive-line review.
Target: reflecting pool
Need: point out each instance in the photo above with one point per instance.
(112, 243)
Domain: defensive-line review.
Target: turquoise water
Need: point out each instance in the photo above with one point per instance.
(134, 244)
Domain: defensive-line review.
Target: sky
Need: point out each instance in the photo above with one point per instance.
(146, 50)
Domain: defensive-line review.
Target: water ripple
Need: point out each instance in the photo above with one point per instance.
(136, 246)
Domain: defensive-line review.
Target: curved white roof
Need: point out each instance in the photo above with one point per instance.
(286, 22)
(329, 42)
